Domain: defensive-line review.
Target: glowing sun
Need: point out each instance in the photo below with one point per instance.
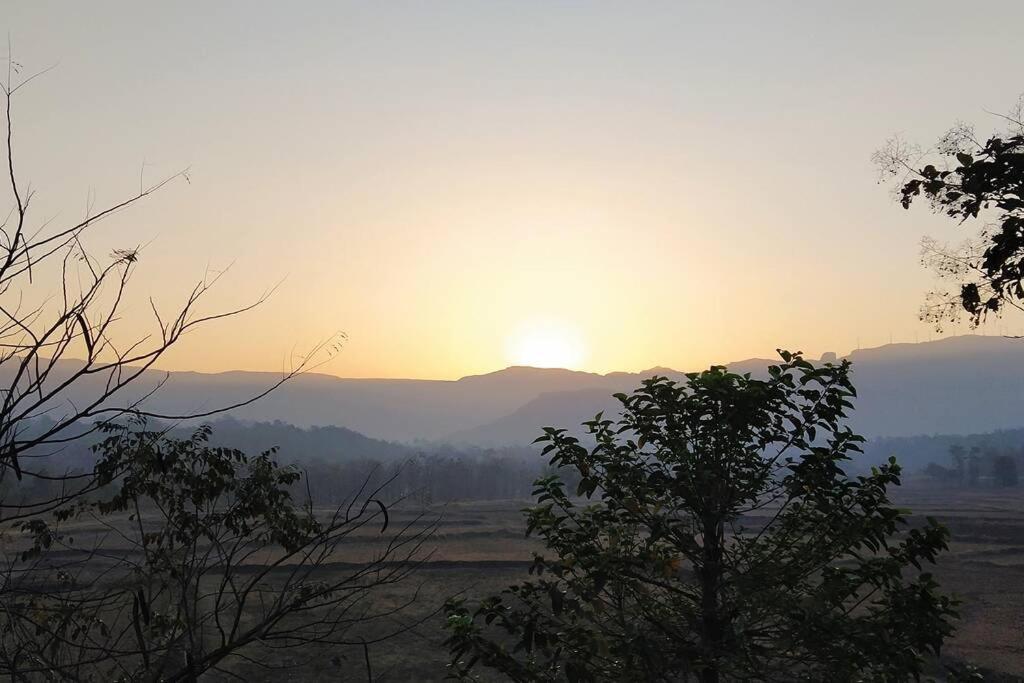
(546, 344)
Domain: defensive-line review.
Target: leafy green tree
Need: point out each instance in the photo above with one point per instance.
(714, 536)
(970, 181)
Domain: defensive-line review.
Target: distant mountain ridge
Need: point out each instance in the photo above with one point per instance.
(964, 384)
(954, 385)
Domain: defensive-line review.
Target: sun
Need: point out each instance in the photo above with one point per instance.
(547, 344)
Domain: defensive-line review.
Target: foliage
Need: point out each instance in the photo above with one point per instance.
(984, 464)
(941, 474)
(333, 458)
(208, 557)
(1004, 471)
(971, 180)
(205, 555)
(66, 361)
(717, 538)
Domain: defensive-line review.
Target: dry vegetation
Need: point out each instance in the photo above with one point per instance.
(480, 547)
(985, 568)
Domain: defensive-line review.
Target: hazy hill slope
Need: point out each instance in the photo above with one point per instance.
(955, 385)
(291, 442)
(392, 409)
(330, 444)
(553, 409)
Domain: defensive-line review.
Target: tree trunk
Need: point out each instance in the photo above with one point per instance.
(712, 632)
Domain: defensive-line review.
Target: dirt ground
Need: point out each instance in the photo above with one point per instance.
(479, 548)
(984, 568)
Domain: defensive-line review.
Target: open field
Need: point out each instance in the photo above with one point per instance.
(985, 568)
(479, 548)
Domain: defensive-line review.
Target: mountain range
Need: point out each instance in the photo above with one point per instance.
(959, 384)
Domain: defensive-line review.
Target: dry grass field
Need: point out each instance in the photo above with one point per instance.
(479, 548)
(985, 569)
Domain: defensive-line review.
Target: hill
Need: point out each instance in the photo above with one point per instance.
(964, 384)
(957, 385)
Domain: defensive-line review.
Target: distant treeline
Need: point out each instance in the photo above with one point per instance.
(971, 460)
(427, 478)
(979, 466)
(338, 462)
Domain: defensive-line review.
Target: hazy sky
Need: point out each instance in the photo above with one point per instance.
(460, 186)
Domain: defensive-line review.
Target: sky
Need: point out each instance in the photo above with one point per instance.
(461, 186)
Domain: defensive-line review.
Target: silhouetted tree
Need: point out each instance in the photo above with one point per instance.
(61, 357)
(969, 180)
(202, 558)
(1004, 471)
(204, 555)
(942, 475)
(718, 539)
(958, 454)
(973, 466)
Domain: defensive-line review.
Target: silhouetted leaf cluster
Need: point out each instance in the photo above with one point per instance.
(203, 556)
(715, 535)
(971, 180)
